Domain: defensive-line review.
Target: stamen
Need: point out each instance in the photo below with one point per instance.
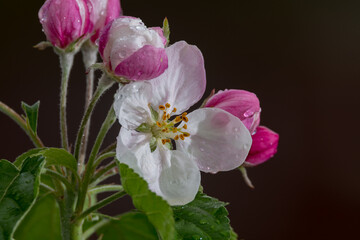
(186, 134)
(164, 117)
(174, 110)
(163, 141)
(167, 116)
(185, 126)
(158, 124)
(161, 107)
(167, 105)
(185, 118)
(182, 136)
(176, 137)
(178, 119)
(184, 114)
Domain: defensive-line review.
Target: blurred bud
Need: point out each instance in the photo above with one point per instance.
(240, 103)
(264, 146)
(129, 49)
(103, 12)
(65, 21)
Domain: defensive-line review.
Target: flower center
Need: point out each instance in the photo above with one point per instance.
(167, 129)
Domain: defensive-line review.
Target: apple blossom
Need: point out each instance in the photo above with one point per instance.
(104, 11)
(129, 49)
(167, 146)
(65, 21)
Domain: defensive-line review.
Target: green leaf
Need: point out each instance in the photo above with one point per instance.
(19, 195)
(156, 209)
(233, 235)
(41, 222)
(166, 30)
(204, 218)
(32, 152)
(53, 156)
(31, 115)
(133, 225)
(8, 172)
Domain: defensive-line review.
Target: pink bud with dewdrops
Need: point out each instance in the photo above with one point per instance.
(65, 21)
(264, 146)
(129, 49)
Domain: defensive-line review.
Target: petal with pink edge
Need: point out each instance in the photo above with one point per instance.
(264, 147)
(146, 63)
(184, 82)
(218, 140)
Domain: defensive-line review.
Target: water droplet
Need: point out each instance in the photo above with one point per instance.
(248, 113)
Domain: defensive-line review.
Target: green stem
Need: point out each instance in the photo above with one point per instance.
(101, 171)
(22, 123)
(109, 148)
(66, 62)
(104, 84)
(106, 188)
(109, 121)
(103, 157)
(94, 228)
(89, 52)
(66, 205)
(101, 204)
(246, 177)
(107, 175)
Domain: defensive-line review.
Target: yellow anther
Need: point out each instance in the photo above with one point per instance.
(186, 134)
(178, 119)
(163, 141)
(167, 105)
(176, 137)
(164, 117)
(185, 126)
(185, 118)
(163, 130)
(184, 114)
(174, 130)
(174, 110)
(167, 116)
(168, 140)
(161, 107)
(158, 124)
(182, 136)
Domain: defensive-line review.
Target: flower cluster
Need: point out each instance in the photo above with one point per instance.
(159, 139)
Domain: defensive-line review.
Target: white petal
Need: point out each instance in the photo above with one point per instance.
(184, 82)
(131, 104)
(133, 149)
(219, 141)
(179, 182)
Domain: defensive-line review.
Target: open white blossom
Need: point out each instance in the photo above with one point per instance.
(167, 146)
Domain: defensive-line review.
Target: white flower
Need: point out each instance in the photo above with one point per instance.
(207, 139)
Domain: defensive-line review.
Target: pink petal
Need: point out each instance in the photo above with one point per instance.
(161, 33)
(264, 147)
(240, 103)
(146, 63)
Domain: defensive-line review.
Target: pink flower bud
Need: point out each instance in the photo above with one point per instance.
(264, 146)
(103, 12)
(64, 21)
(131, 50)
(240, 103)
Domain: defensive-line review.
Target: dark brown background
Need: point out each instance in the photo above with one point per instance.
(302, 60)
